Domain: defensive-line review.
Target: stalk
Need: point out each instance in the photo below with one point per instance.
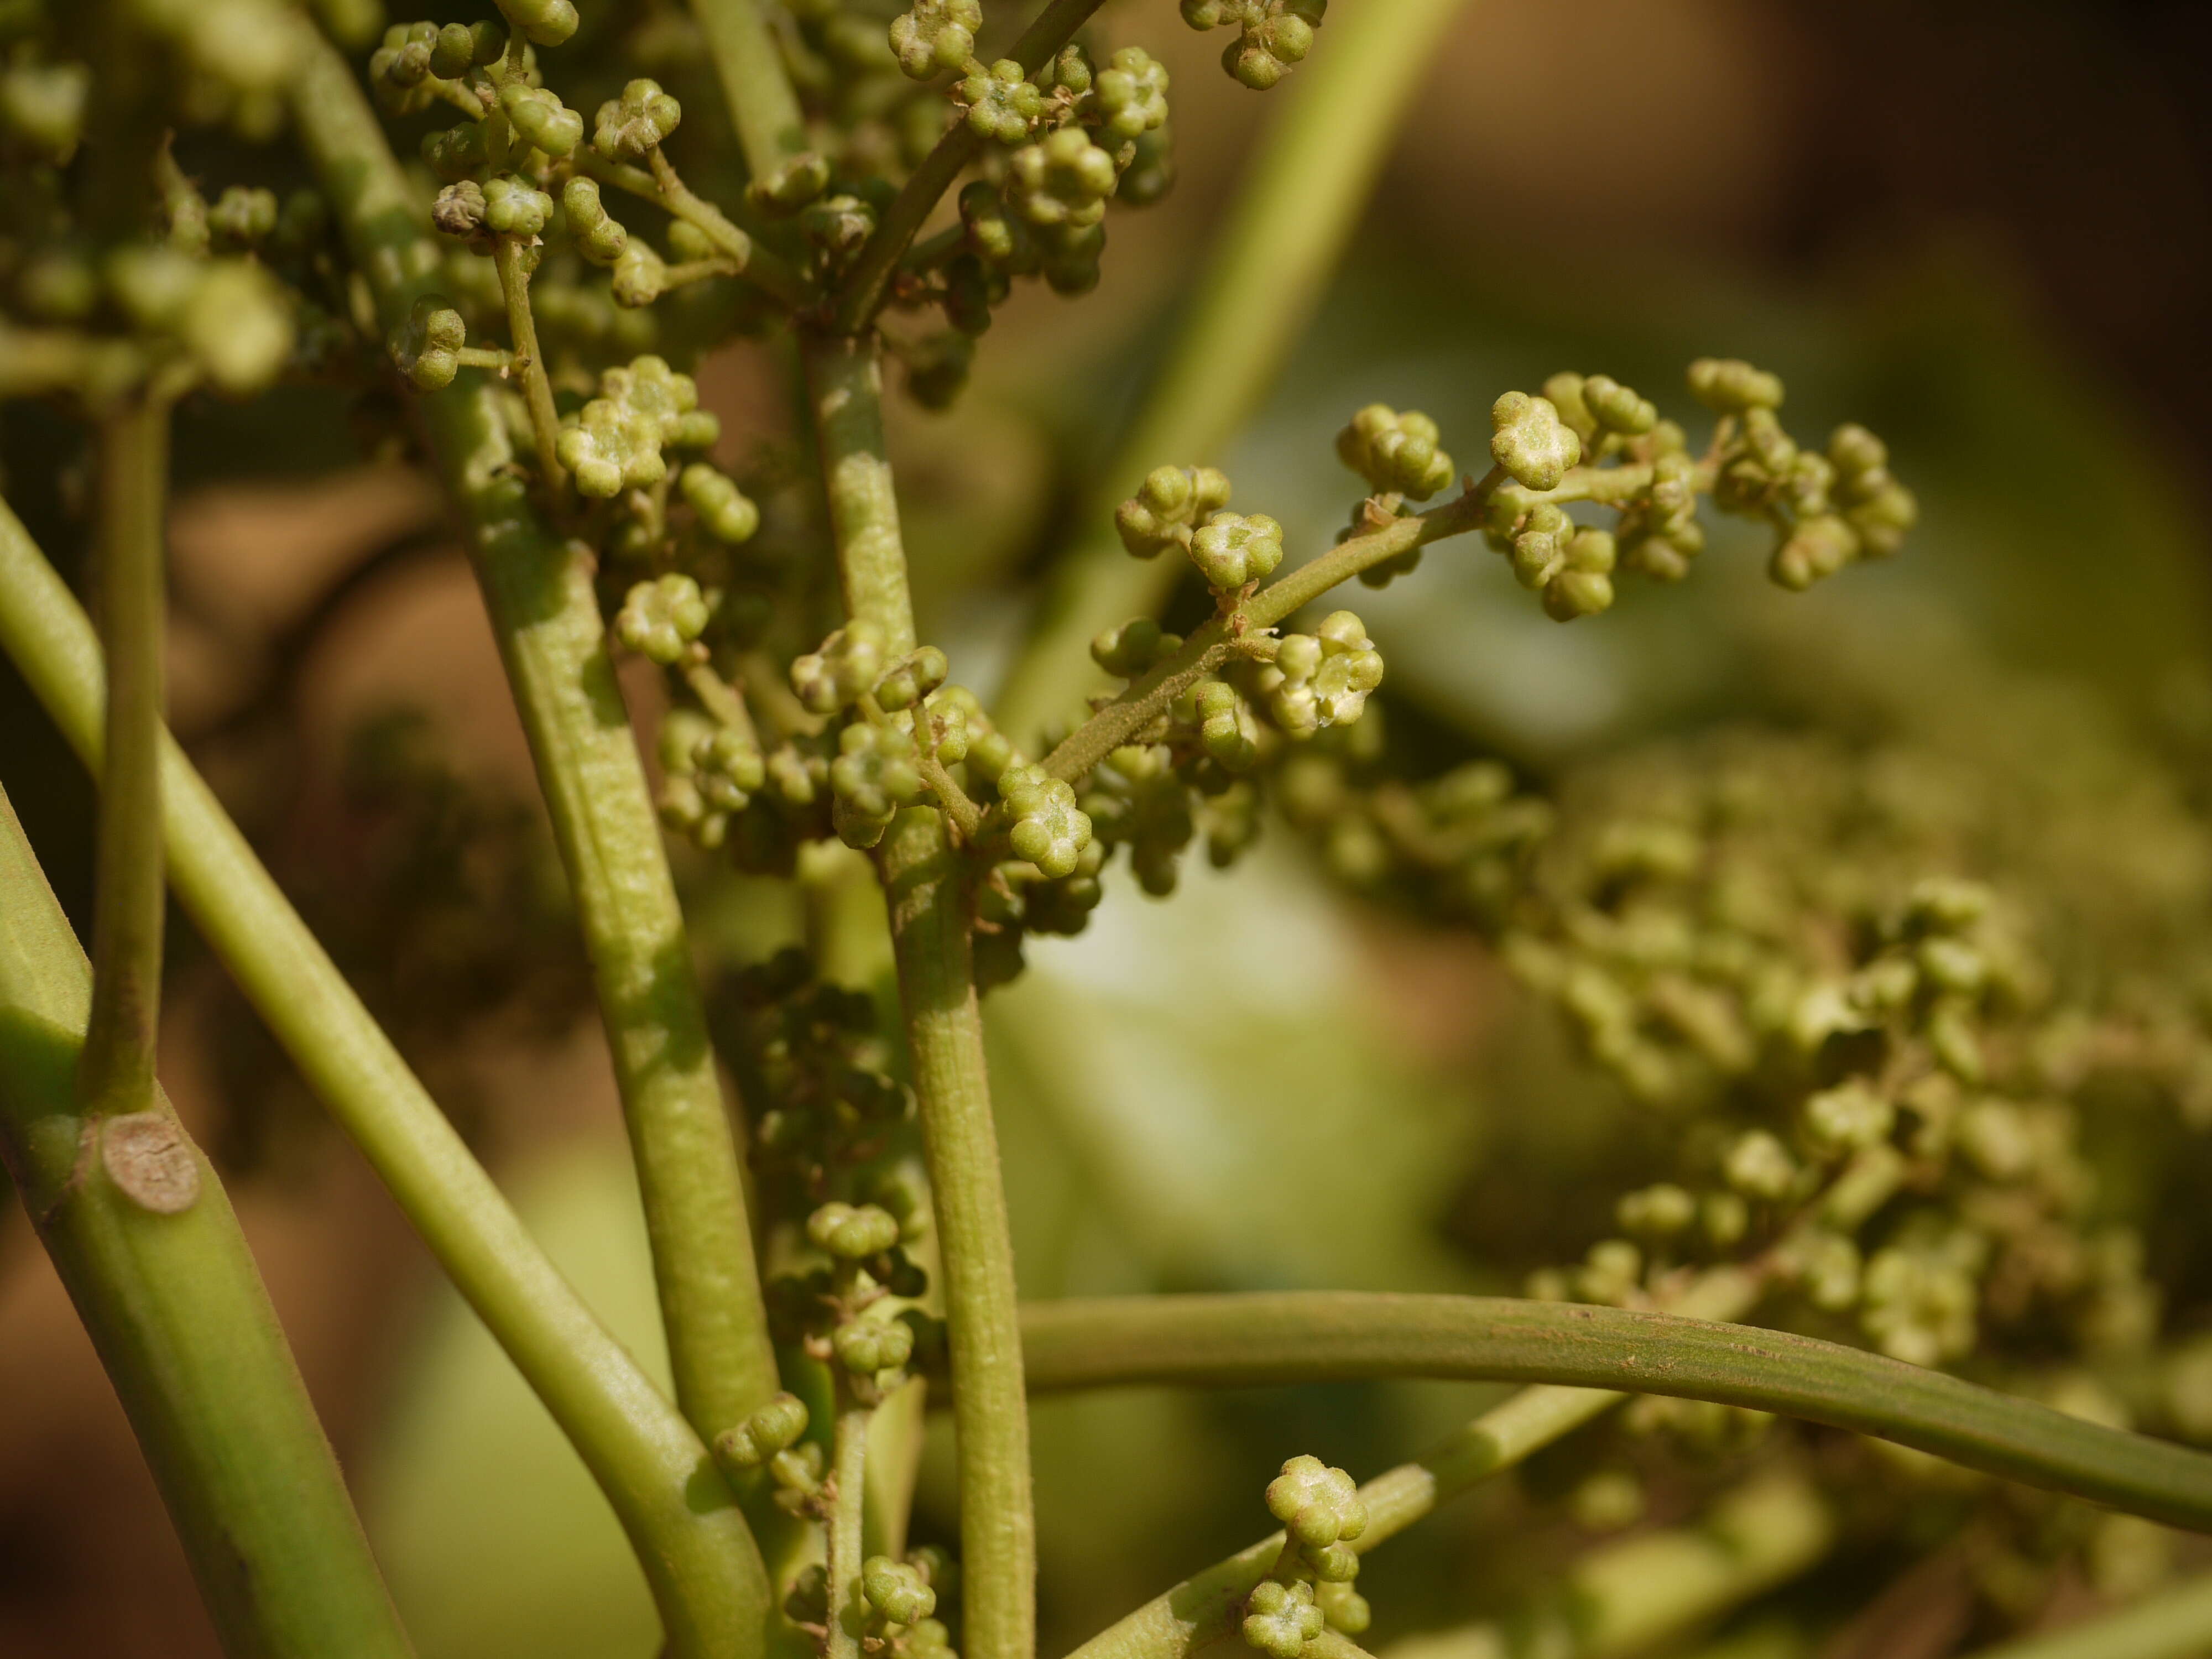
(930, 942)
(537, 385)
(116, 1071)
(2175, 1624)
(1629, 1596)
(1300, 1336)
(764, 108)
(698, 1557)
(848, 1508)
(169, 1294)
(539, 590)
(1294, 216)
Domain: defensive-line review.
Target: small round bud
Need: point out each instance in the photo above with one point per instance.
(1733, 387)
(869, 1346)
(935, 36)
(771, 1429)
(898, 1593)
(541, 22)
(659, 619)
(1280, 1618)
(1529, 441)
(424, 347)
(1231, 549)
(1317, 1505)
(728, 516)
(629, 127)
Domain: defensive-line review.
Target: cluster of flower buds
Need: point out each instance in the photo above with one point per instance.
(1272, 35)
(1310, 1587)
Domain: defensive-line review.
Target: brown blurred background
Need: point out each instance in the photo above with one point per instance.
(2042, 164)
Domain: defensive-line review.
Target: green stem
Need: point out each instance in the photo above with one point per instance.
(932, 943)
(537, 385)
(849, 1505)
(1629, 1596)
(177, 1311)
(1307, 188)
(1311, 1336)
(116, 1072)
(2176, 1624)
(552, 638)
(868, 283)
(697, 1554)
(763, 107)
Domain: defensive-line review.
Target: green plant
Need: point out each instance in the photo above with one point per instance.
(1883, 1070)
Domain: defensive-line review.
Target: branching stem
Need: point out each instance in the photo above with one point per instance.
(507, 256)
(932, 943)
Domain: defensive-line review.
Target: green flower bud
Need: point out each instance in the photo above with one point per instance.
(1395, 452)
(1882, 520)
(153, 284)
(1002, 103)
(1231, 549)
(515, 207)
(1530, 441)
(1317, 1505)
(403, 62)
(773, 1428)
(1062, 179)
(1733, 387)
(791, 185)
(1149, 173)
(44, 105)
(849, 662)
(243, 216)
(1818, 547)
(1581, 583)
(598, 236)
(424, 347)
(238, 323)
(541, 22)
(610, 447)
(1759, 1166)
(639, 276)
(728, 516)
(1661, 1210)
(852, 1232)
(913, 679)
(869, 1346)
(1322, 679)
(1280, 1618)
(542, 119)
(1918, 1307)
(1132, 648)
(454, 154)
(1047, 830)
(629, 127)
(998, 237)
(659, 619)
(873, 775)
(1617, 408)
(1131, 94)
(1344, 1607)
(727, 769)
(898, 1593)
(935, 36)
(1165, 509)
(1225, 724)
(464, 47)
(1848, 1118)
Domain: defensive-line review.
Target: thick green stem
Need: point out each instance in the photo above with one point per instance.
(539, 590)
(867, 284)
(932, 940)
(2175, 1624)
(1319, 1335)
(142, 1236)
(1628, 1597)
(537, 385)
(764, 108)
(697, 1554)
(116, 1072)
(1294, 217)
(849, 1505)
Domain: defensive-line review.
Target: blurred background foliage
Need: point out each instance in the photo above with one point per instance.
(1979, 227)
